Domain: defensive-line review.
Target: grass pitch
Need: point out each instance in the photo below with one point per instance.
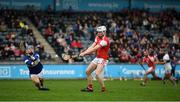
(69, 90)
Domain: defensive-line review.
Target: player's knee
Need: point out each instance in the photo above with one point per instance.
(88, 73)
(41, 79)
(35, 79)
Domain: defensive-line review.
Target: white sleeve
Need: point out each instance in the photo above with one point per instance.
(166, 57)
(103, 43)
(95, 40)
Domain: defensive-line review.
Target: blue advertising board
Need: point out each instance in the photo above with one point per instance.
(49, 71)
(78, 71)
(21, 4)
(156, 5)
(93, 5)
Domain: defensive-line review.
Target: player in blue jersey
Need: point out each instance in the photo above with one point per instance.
(35, 68)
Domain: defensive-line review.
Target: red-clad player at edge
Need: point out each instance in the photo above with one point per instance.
(150, 59)
(101, 46)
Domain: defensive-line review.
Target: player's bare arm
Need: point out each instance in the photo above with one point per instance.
(157, 61)
(94, 44)
(90, 50)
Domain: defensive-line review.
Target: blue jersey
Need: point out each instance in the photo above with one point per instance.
(33, 63)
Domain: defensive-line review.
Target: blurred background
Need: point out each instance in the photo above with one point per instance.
(66, 27)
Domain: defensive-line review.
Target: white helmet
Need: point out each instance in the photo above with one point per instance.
(101, 29)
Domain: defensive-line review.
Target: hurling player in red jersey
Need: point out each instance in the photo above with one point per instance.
(150, 59)
(101, 47)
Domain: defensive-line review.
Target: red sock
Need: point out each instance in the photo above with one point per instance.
(103, 89)
(90, 86)
(158, 78)
(146, 79)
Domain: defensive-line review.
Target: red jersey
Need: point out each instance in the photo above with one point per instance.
(150, 60)
(105, 45)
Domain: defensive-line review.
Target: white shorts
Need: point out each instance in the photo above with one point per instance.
(40, 75)
(100, 61)
(167, 67)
